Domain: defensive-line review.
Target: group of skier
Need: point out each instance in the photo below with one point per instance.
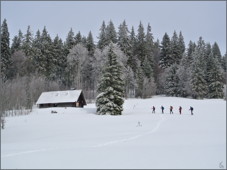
(171, 109)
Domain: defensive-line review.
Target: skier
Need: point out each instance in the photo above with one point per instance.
(153, 109)
(171, 109)
(191, 108)
(162, 109)
(180, 108)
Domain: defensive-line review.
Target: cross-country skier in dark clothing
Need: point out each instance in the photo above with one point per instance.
(153, 109)
(191, 108)
(162, 109)
(180, 109)
(171, 109)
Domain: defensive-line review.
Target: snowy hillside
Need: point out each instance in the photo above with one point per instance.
(78, 138)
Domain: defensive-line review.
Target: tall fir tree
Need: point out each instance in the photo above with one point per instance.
(102, 37)
(215, 79)
(149, 53)
(70, 41)
(172, 81)
(90, 44)
(59, 60)
(47, 58)
(78, 38)
(110, 100)
(37, 46)
(27, 43)
(17, 42)
(123, 38)
(175, 50)
(181, 45)
(6, 60)
(216, 52)
(198, 71)
(132, 59)
(141, 44)
(111, 34)
(165, 53)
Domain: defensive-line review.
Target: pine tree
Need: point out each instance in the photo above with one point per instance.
(132, 60)
(224, 62)
(78, 38)
(17, 42)
(198, 71)
(175, 50)
(6, 60)
(47, 59)
(90, 44)
(111, 34)
(84, 41)
(102, 37)
(172, 81)
(149, 64)
(183, 74)
(140, 82)
(181, 45)
(27, 43)
(215, 79)
(165, 53)
(37, 46)
(111, 88)
(59, 60)
(123, 39)
(216, 52)
(141, 44)
(70, 41)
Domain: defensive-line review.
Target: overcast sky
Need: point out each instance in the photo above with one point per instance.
(194, 19)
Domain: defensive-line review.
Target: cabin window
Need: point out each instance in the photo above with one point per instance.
(77, 104)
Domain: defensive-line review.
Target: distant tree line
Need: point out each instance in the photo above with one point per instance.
(34, 63)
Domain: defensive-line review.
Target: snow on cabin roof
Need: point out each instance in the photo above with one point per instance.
(59, 97)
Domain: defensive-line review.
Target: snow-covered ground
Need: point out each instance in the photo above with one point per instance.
(78, 138)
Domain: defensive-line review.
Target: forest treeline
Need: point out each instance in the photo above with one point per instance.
(34, 63)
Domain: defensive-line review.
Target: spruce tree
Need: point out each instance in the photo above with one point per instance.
(181, 45)
(216, 52)
(123, 39)
(102, 37)
(70, 41)
(111, 88)
(111, 34)
(165, 53)
(214, 77)
(175, 50)
(27, 43)
(198, 71)
(6, 60)
(141, 44)
(59, 60)
(78, 38)
(149, 53)
(17, 42)
(90, 44)
(172, 81)
(132, 59)
(37, 46)
(47, 57)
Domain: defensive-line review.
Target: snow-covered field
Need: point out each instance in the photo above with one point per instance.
(78, 138)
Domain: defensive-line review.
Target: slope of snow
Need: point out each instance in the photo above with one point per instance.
(78, 138)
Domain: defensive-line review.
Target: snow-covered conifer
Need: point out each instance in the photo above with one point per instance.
(111, 87)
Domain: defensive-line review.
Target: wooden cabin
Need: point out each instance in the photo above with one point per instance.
(70, 98)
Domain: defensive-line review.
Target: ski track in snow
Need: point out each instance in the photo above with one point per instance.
(25, 152)
(94, 146)
(132, 138)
